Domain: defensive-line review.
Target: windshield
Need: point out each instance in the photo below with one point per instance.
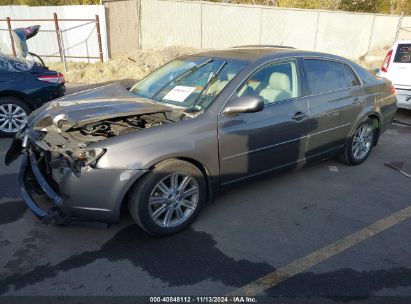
(191, 82)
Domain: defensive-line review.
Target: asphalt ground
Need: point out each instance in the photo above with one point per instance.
(328, 231)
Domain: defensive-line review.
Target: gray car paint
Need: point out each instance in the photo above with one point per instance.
(227, 148)
(102, 103)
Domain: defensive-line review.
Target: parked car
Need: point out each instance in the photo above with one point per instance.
(194, 125)
(397, 68)
(24, 86)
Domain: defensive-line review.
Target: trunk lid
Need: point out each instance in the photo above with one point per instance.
(400, 72)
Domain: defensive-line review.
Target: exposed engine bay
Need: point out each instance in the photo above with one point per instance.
(123, 125)
(65, 129)
(69, 147)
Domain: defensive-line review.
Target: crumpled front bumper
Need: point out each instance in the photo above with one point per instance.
(31, 180)
(92, 195)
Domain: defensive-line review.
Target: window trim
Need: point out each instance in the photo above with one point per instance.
(301, 71)
(262, 66)
(332, 60)
(346, 66)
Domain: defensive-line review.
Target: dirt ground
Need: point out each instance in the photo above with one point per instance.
(137, 64)
(373, 59)
(126, 69)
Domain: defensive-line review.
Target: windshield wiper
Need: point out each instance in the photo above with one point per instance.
(182, 76)
(210, 81)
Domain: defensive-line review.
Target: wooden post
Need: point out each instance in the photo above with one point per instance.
(56, 25)
(11, 37)
(100, 47)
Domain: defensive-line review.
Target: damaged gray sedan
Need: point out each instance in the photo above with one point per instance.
(164, 147)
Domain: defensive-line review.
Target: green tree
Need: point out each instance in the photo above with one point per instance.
(366, 6)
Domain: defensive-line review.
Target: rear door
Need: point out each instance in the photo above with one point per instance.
(334, 104)
(400, 74)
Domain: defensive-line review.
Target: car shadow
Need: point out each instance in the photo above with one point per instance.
(186, 258)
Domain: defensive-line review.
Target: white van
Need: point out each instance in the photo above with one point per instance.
(397, 68)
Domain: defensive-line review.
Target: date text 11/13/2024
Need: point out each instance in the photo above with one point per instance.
(223, 299)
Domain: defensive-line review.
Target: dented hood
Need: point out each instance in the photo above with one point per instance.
(90, 106)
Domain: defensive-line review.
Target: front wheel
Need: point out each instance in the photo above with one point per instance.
(359, 146)
(168, 198)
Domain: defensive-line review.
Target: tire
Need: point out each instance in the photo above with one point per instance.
(8, 106)
(353, 154)
(162, 211)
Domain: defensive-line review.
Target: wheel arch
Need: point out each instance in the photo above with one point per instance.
(203, 168)
(364, 117)
(377, 118)
(18, 95)
(210, 184)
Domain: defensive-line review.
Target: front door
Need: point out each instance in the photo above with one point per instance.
(253, 143)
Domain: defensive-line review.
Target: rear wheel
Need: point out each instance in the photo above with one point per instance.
(359, 146)
(168, 198)
(13, 115)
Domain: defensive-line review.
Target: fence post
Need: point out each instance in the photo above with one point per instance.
(56, 25)
(371, 34)
(397, 33)
(100, 47)
(316, 31)
(64, 53)
(11, 36)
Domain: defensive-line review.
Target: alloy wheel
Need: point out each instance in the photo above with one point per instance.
(12, 118)
(362, 141)
(173, 199)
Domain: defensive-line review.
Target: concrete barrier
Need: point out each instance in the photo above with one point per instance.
(219, 25)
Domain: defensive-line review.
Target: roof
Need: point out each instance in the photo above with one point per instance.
(253, 53)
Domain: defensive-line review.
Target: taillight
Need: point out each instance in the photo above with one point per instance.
(56, 78)
(386, 62)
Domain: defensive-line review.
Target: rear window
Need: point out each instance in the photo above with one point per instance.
(403, 54)
(12, 64)
(325, 76)
(352, 79)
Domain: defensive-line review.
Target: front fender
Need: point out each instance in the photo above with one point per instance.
(194, 139)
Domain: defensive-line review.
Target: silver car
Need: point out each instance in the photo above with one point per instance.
(200, 122)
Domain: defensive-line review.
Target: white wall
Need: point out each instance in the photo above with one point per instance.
(170, 23)
(224, 26)
(405, 32)
(218, 25)
(296, 28)
(81, 41)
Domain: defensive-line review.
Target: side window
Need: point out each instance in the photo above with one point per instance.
(352, 79)
(324, 76)
(275, 82)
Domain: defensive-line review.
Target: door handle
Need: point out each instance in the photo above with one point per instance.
(299, 116)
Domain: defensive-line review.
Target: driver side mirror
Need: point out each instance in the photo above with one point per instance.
(244, 104)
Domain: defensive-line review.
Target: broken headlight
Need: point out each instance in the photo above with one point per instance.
(90, 156)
